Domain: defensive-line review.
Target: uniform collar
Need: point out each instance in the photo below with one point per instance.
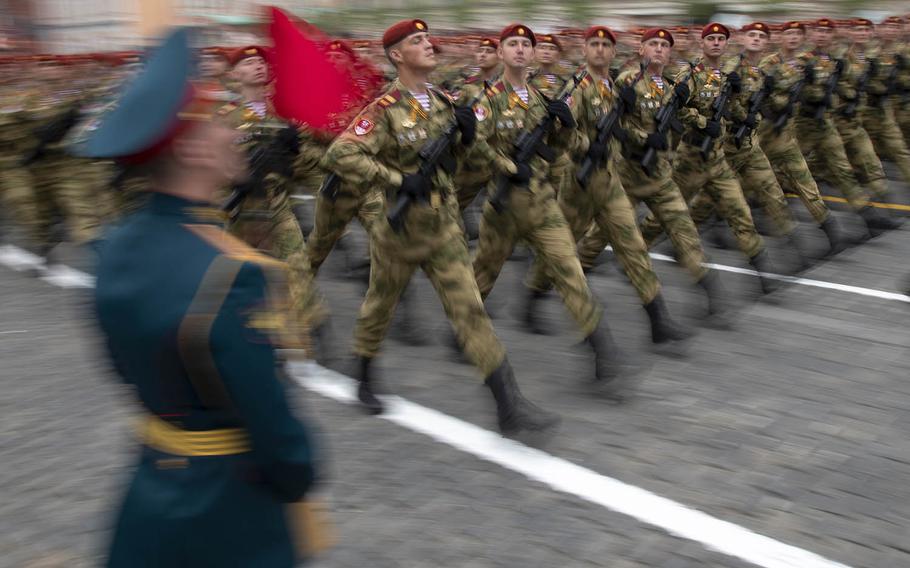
(192, 211)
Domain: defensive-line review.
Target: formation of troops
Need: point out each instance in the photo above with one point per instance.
(557, 139)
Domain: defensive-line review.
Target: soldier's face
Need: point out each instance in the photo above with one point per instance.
(415, 52)
(755, 41)
(486, 58)
(822, 37)
(862, 34)
(251, 71)
(546, 53)
(889, 32)
(516, 51)
(714, 45)
(656, 50)
(792, 39)
(599, 52)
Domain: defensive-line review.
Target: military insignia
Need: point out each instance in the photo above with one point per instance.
(480, 113)
(363, 126)
(408, 123)
(419, 25)
(520, 31)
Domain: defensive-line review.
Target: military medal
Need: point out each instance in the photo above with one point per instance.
(408, 123)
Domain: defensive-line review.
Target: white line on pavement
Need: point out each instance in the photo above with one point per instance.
(567, 477)
(559, 474)
(13, 331)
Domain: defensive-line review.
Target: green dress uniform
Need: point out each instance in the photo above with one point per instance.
(192, 318)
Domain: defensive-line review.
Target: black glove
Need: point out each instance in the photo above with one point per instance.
(839, 65)
(289, 140)
(712, 129)
(751, 121)
(809, 73)
(415, 186)
(522, 175)
(467, 124)
(770, 83)
(736, 82)
(657, 141)
(682, 90)
(561, 110)
(627, 96)
(621, 134)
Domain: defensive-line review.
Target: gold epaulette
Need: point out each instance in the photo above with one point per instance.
(232, 247)
(390, 98)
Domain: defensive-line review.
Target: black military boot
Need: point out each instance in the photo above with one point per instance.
(663, 328)
(612, 370)
(324, 344)
(365, 384)
(762, 264)
(837, 243)
(802, 261)
(516, 414)
(530, 315)
(720, 305)
(876, 222)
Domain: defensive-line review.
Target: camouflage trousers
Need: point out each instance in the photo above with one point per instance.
(790, 168)
(902, 114)
(535, 217)
(665, 201)
(75, 189)
(447, 264)
(823, 147)
(277, 233)
(332, 219)
(17, 196)
(757, 181)
(887, 137)
(606, 204)
(867, 166)
(716, 180)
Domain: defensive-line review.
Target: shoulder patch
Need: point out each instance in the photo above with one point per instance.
(389, 98)
(480, 113)
(363, 126)
(231, 246)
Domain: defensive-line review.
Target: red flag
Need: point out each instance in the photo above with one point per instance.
(309, 88)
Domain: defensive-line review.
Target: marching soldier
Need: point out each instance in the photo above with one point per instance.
(884, 64)
(602, 200)
(192, 318)
(785, 75)
(263, 218)
(658, 191)
(741, 147)
(696, 170)
(867, 167)
(816, 130)
(523, 204)
(380, 148)
(550, 77)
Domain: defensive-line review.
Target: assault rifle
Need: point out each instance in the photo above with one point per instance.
(666, 119)
(530, 144)
(744, 130)
(719, 106)
(436, 153)
(830, 87)
(606, 128)
(849, 110)
(796, 92)
(274, 154)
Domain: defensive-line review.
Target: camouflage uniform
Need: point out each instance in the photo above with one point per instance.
(749, 162)
(712, 176)
(821, 140)
(901, 98)
(266, 222)
(531, 213)
(660, 193)
(551, 84)
(782, 148)
(878, 116)
(65, 185)
(379, 147)
(604, 201)
(16, 191)
(474, 172)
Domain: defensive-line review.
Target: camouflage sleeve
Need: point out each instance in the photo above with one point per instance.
(579, 103)
(354, 155)
(849, 79)
(631, 121)
(306, 164)
(482, 148)
(815, 91)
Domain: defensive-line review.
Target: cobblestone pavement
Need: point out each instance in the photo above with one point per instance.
(794, 426)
